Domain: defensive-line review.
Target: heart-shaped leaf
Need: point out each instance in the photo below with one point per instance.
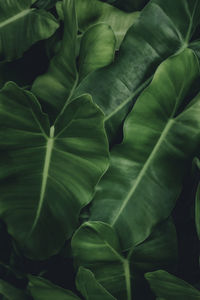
(47, 173)
(146, 172)
(163, 28)
(95, 246)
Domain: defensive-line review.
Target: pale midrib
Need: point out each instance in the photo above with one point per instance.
(45, 174)
(69, 97)
(16, 17)
(126, 268)
(143, 170)
(191, 23)
(127, 278)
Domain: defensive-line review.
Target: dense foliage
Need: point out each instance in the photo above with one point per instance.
(100, 145)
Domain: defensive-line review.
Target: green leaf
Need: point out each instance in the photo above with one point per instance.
(146, 171)
(56, 87)
(160, 249)
(90, 12)
(57, 84)
(163, 28)
(10, 292)
(47, 173)
(89, 287)
(21, 26)
(169, 287)
(42, 289)
(95, 246)
(100, 40)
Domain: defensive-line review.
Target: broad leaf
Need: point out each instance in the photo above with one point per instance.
(160, 249)
(141, 52)
(96, 49)
(95, 246)
(42, 289)
(146, 171)
(89, 287)
(47, 173)
(169, 287)
(21, 26)
(90, 12)
(56, 87)
(10, 292)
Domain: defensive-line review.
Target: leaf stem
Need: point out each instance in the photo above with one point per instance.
(127, 278)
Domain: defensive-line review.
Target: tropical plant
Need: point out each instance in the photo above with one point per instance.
(99, 144)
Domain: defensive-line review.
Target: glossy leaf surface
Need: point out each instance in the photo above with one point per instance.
(96, 49)
(163, 28)
(160, 249)
(96, 246)
(169, 287)
(42, 289)
(146, 171)
(90, 12)
(89, 287)
(47, 173)
(21, 26)
(56, 87)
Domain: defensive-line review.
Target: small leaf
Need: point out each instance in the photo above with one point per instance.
(96, 246)
(89, 287)
(42, 289)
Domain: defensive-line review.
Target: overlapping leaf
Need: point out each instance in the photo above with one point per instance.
(21, 26)
(89, 287)
(42, 289)
(47, 173)
(145, 176)
(96, 246)
(163, 28)
(90, 12)
(56, 87)
(169, 287)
